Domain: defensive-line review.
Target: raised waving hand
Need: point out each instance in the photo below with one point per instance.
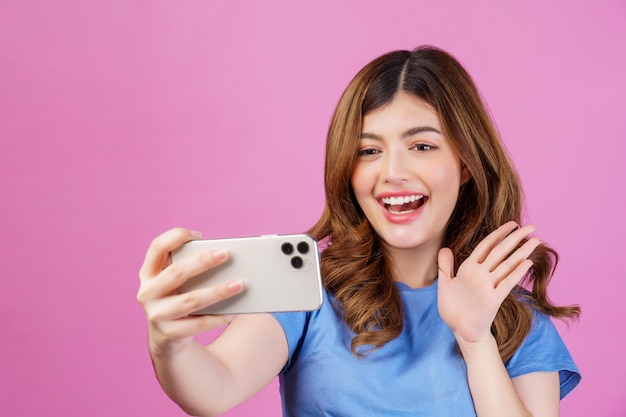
(468, 303)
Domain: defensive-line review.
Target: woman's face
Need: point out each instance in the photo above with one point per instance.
(407, 177)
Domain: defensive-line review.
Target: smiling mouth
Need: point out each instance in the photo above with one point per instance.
(403, 205)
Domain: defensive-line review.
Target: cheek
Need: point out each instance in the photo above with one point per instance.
(447, 179)
(360, 181)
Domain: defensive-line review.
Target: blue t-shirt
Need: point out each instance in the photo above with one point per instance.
(421, 373)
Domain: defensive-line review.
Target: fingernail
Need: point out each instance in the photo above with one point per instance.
(235, 286)
(195, 234)
(219, 254)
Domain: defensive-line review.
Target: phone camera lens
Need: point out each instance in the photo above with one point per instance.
(297, 262)
(287, 248)
(303, 247)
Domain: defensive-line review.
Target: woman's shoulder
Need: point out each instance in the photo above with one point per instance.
(543, 350)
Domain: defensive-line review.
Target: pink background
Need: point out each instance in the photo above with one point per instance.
(121, 119)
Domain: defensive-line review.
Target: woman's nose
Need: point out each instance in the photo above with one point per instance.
(395, 167)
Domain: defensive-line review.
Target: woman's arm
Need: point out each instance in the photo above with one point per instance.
(495, 394)
(468, 303)
(240, 362)
(207, 381)
(540, 392)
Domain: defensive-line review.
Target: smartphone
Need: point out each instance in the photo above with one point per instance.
(279, 272)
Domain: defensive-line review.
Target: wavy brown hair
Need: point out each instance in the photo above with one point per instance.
(355, 266)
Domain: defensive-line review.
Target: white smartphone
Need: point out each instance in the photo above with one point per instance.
(279, 272)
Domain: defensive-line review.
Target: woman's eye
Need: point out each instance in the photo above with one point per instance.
(368, 152)
(422, 147)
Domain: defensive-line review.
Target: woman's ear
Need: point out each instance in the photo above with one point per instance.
(465, 174)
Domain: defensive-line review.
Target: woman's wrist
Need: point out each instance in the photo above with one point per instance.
(477, 347)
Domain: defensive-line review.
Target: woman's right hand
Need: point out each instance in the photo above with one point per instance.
(170, 327)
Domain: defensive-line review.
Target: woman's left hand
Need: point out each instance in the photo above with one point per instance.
(468, 303)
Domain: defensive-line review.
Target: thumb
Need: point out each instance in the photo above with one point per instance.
(445, 264)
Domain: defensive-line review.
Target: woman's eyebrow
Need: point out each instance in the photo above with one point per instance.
(419, 129)
(412, 131)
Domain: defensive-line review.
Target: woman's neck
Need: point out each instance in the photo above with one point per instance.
(415, 267)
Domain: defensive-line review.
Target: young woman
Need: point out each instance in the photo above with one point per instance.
(435, 299)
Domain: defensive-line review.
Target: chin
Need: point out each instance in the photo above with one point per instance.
(410, 240)
(402, 242)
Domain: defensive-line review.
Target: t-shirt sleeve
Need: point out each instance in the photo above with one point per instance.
(543, 350)
(294, 325)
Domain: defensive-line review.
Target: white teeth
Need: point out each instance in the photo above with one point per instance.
(401, 200)
(401, 212)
